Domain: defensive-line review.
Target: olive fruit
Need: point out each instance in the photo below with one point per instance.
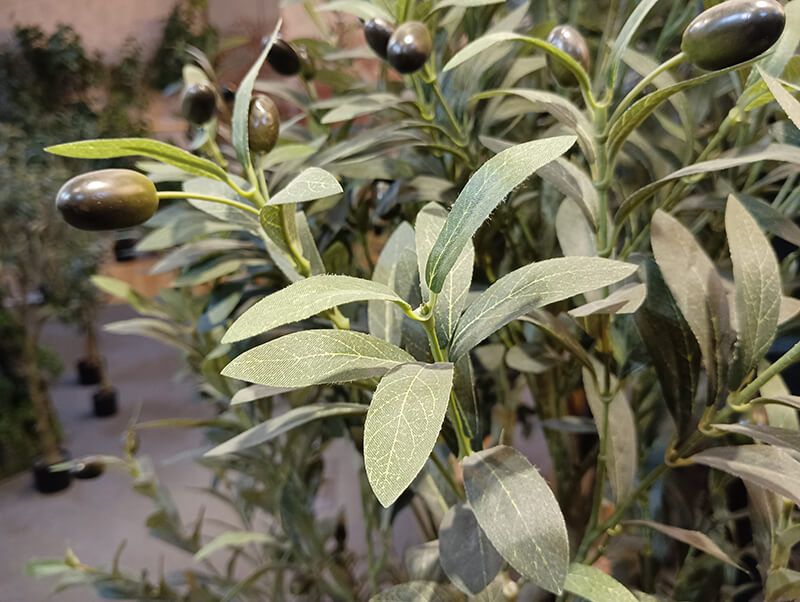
(263, 124)
(107, 199)
(733, 32)
(409, 47)
(198, 103)
(283, 57)
(377, 33)
(569, 40)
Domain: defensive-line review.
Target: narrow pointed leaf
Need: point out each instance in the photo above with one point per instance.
(419, 591)
(315, 357)
(530, 287)
(303, 299)
(312, 184)
(402, 425)
(230, 539)
(625, 37)
(764, 433)
(758, 287)
(519, 514)
(256, 392)
(465, 553)
(596, 586)
(698, 291)
(625, 300)
(397, 269)
(764, 465)
(786, 101)
(696, 539)
(486, 189)
(275, 427)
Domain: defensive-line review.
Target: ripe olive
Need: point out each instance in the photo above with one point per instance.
(377, 33)
(409, 47)
(108, 199)
(264, 124)
(569, 40)
(283, 57)
(733, 32)
(198, 103)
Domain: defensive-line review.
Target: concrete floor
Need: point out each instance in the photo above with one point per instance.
(93, 516)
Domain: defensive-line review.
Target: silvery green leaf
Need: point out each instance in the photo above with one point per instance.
(621, 448)
(573, 182)
(518, 359)
(464, 388)
(211, 270)
(771, 219)
(419, 591)
(764, 508)
(625, 300)
(453, 296)
(190, 253)
(396, 268)
(360, 8)
(315, 357)
(159, 330)
(594, 585)
(758, 288)
(769, 467)
(486, 189)
(465, 553)
(576, 235)
(698, 291)
(519, 514)
(783, 413)
(402, 425)
(672, 347)
(626, 36)
(358, 106)
(303, 299)
(764, 433)
(256, 392)
(275, 427)
(235, 539)
(422, 562)
(529, 287)
(241, 105)
(696, 539)
(309, 245)
(312, 184)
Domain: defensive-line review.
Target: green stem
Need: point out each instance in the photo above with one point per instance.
(750, 391)
(644, 82)
(207, 197)
(437, 461)
(432, 79)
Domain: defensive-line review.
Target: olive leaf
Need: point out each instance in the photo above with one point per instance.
(696, 539)
(224, 213)
(530, 287)
(782, 585)
(487, 188)
(240, 120)
(363, 9)
(786, 101)
(419, 591)
(256, 392)
(625, 37)
(275, 427)
(625, 300)
(774, 435)
(769, 467)
(396, 268)
(311, 184)
(112, 148)
(596, 586)
(519, 514)
(363, 104)
(308, 244)
(758, 288)
(671, 345)
(305, 298)
(575, 232)
(621, 447)
(453, 296)
(315, 357)
(235, 539)
(402, 425)
(698, 292)
(465, 553)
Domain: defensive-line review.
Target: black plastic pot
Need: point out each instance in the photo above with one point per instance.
(46, 480)
(88, 372)
(87, 470)
(105, 402)
(125, 249)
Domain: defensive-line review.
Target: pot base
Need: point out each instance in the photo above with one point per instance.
(104, 403)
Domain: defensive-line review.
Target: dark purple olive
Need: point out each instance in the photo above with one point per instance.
(569, 40)
(108, 199)
(264, 124)
(283, 57)
(377, 33)
(733, 32)
(409, 47)
(198, 103)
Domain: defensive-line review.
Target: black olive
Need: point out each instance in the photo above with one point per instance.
(264, 124)
(108, 199)
(733, 32)
(377, 33)
(283, 57)
(198, 103)
(409, 47)
(569, 40)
